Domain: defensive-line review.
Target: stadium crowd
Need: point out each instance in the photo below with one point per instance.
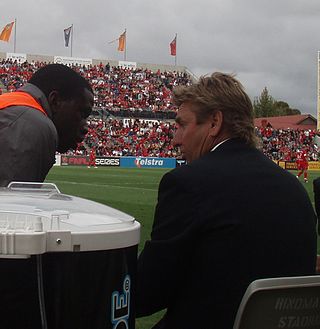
(124, 92)
(283, 144)
(134, 137)
(141, 93)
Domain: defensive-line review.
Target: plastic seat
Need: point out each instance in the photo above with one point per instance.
(289, 302)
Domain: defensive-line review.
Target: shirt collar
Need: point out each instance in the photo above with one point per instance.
(36, 93)
(216, 146)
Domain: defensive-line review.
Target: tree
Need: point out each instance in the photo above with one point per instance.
(295, 112)
(266, 106)
(281, 108)
(263, 106)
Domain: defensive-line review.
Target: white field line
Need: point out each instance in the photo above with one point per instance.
(102, 185)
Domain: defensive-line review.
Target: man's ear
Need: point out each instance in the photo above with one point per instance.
(54, 100)
(216, 120)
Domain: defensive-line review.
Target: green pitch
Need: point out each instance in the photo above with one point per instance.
(133, 191)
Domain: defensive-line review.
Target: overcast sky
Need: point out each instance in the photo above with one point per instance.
(266, 43)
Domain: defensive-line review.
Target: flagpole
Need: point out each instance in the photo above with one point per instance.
(175, 57)
(15, 35)
(125, 45)
(71, 39)
(318, 93)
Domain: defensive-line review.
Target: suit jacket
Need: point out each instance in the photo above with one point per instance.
(221, 222)
(316, 194)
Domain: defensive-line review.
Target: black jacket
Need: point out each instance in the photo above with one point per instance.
(221, 222)
(316, 192)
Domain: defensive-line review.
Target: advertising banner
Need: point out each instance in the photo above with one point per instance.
(20, 58)
(74, 160)
(144, 162)
(128, 65)
(314, 165)
(282, 164)
(83, 160)
(292, 165)
(180, 162)
(108, 161)
(72, 60)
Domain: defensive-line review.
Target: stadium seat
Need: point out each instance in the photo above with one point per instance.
(291, 302)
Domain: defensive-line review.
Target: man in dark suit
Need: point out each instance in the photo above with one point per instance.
(316, 194)
(228, 217)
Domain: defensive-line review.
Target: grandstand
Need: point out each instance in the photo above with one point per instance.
(133, 114)
(282, 144)
(113, 137)
(122, 89)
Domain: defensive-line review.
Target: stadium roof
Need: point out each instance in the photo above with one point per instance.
(303, 121)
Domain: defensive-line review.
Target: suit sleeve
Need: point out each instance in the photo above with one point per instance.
(316, 191)
(161, 263)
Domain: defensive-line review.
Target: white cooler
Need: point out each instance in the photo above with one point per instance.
(65, 262)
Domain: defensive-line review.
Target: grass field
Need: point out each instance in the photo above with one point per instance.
(133, 191)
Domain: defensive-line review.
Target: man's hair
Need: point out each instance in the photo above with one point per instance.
(61, 78)
(220, 92)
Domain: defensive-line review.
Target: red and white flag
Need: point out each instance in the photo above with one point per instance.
(173, 46)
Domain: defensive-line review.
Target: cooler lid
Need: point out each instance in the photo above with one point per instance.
(37, 218)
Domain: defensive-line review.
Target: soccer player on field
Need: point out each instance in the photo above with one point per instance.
(92, 158)
(302, 164)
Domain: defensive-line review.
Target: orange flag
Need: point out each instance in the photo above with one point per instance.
(122, 42)
(6, 32)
